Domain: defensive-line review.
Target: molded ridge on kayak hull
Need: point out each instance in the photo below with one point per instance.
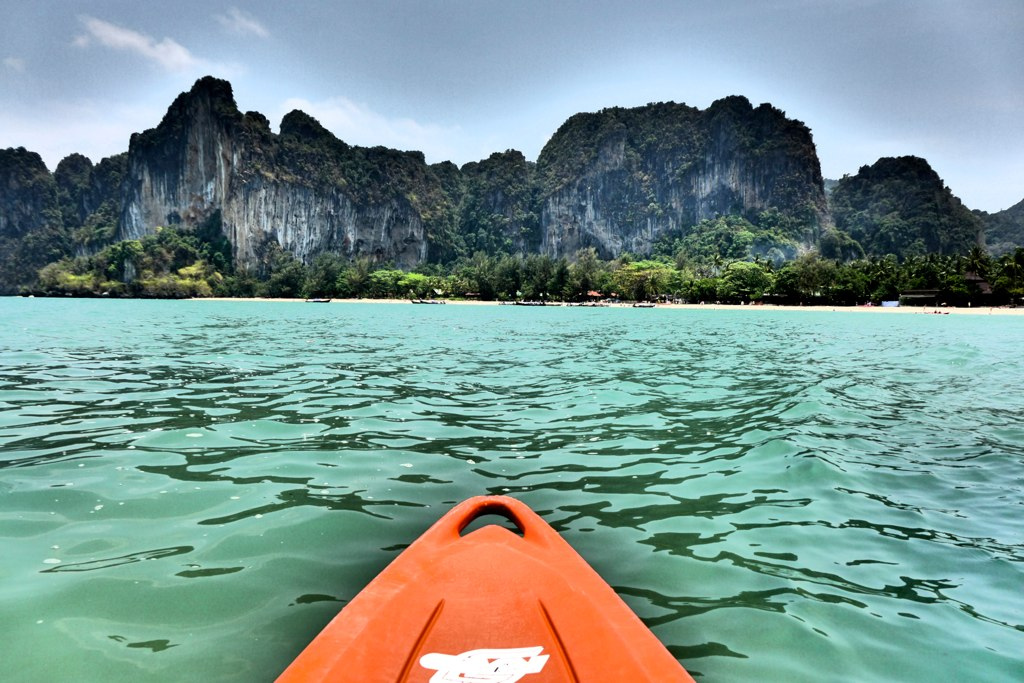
(490, 606)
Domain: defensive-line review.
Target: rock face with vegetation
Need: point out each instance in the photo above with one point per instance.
(90, 199)
(498, 212)
(212, 200)
(302, 191)
(1004, 230)
(620, 179)
(901, 206)
(31, 230)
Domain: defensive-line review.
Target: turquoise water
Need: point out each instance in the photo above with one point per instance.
(191, 490)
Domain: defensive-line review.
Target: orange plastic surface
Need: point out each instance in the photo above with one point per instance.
(487, 607)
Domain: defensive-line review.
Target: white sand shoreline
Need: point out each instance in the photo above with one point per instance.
(904, 310)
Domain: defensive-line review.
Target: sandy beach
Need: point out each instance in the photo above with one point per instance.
(895, 310)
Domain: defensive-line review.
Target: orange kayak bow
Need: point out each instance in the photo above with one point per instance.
(490, 606)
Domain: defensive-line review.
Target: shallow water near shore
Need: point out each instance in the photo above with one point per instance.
(191, 490)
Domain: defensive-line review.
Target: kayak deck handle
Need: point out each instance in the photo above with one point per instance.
(486, 506)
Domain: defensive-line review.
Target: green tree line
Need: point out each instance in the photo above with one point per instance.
(173, 263)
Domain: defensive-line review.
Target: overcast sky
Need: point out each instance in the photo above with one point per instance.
(460, 79)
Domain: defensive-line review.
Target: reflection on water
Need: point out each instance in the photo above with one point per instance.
(192, 489)
(108, 562)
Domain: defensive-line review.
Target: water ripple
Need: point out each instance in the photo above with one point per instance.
(775, 494)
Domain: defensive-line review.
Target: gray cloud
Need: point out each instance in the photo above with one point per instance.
(242, 23)
(166, 53)
(14, 64)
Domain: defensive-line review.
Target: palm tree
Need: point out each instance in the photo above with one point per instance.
(1011, 266)
(977, 261)
(717, 262)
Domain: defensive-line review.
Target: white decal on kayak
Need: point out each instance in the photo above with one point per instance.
(485, 666)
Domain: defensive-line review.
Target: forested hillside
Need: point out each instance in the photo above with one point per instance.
(32, 231)
(213, 201)
(900, 206)
(1004, 230)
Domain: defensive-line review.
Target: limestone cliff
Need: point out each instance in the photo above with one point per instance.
(181, 171)
(1004, 230)
(90, 199)
(302, 189)
(31, 231)
(901, 206)
(619, 179)
(498, 214)
(615, 180)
